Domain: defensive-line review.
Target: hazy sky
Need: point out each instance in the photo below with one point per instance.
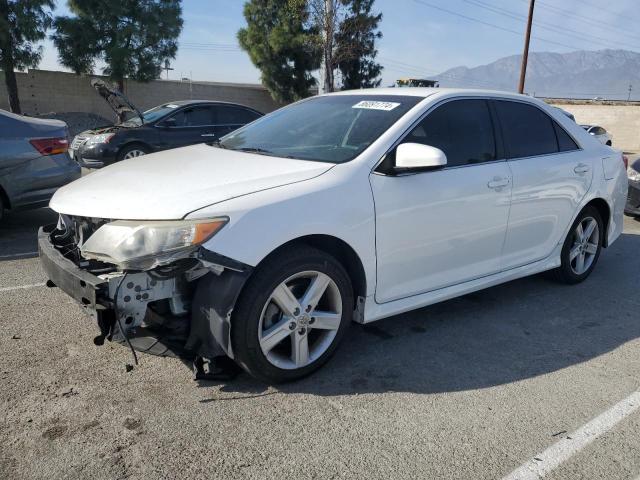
(421, 37)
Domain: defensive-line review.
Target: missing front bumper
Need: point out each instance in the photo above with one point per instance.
(186, 314)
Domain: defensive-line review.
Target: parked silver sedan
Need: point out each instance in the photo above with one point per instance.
(34, 161)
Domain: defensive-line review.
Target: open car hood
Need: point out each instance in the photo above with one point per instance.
(116, 99)
(171, 184)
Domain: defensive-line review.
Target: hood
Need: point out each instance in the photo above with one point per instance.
(116, 99)
(99, 130)
(168, 185)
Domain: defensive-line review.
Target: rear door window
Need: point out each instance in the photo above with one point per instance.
(230, 115)
(462, 129)
(527, 130)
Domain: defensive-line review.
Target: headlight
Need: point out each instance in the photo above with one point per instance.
(145, 245)
(633, 174)
(102, 138)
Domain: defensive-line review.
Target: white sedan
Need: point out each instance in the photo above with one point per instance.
(261, 249)
(599, 133)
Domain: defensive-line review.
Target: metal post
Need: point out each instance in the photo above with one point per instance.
(525, 55)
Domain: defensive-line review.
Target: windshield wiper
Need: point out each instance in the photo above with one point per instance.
(216, 143)
(257, 150)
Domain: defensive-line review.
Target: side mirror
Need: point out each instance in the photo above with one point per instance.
(169, 122)
(418, 156)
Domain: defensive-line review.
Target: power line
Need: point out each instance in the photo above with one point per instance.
(599, 23)
(550, 27)
(493, 25)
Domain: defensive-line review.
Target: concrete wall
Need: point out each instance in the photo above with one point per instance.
(43, 91)
(622, 119)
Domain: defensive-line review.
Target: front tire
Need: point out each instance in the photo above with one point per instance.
(292, 314)
(581, 248)
(132, 151)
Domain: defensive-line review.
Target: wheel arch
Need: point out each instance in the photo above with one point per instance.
(227, 288)
(339, 249)
(604, 210)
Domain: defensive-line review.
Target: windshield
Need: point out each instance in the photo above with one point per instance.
(152, 115)
(327, 129)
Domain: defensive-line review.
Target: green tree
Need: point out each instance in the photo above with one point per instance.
(280, 46)
(23, 23)
(131, 37)
(356, 45)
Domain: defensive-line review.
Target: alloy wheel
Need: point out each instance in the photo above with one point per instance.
(134, 153)
(300, 320)
(586, 240)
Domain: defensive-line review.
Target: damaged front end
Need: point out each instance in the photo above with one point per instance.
(176, 302)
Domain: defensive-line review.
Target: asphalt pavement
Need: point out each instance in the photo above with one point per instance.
(528, 375)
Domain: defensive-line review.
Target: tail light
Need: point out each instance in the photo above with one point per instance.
(625, 160)
(50, 146)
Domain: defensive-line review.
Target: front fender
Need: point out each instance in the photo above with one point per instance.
(330, 204)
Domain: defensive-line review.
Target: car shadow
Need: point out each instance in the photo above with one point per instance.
(19, 232)
(511, 332)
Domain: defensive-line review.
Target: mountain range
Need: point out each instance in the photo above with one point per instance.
(581, 74)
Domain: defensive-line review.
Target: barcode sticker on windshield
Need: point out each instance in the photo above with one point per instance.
(373, 105)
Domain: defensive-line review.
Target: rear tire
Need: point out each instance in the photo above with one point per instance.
(276, 336)
(581, 248)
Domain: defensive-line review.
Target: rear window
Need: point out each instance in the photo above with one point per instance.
(527, 130)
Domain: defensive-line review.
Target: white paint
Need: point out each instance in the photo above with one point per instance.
(546, 196)
(421, 238)
(177, 182)
(18, 255)
(421, 248)
(561, 451)
(21, 287)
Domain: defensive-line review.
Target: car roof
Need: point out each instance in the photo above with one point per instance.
(182, 103)
(428, 91)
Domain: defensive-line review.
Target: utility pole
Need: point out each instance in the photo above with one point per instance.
(167, 67)
(630, 88)
(525, 55)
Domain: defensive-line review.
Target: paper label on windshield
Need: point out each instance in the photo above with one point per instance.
(375, 105)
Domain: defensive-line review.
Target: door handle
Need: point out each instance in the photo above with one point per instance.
(498, 182)
(208, 135)
(581, 168)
